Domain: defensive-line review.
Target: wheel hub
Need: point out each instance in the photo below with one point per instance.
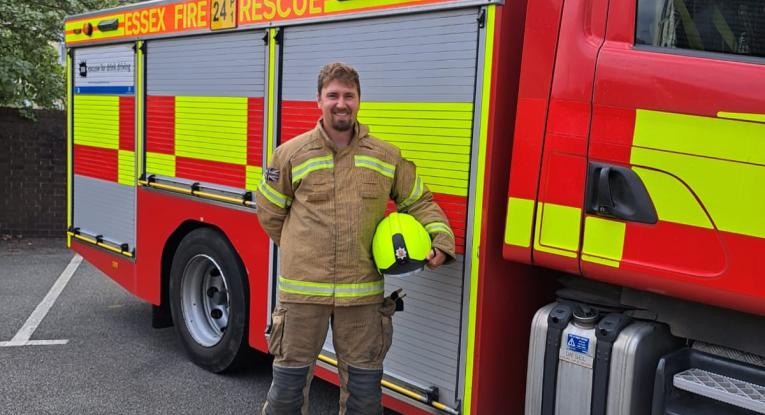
(205, 300)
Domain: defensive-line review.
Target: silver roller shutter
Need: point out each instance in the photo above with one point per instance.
(103, 186)
(205, 108)
(429, 62)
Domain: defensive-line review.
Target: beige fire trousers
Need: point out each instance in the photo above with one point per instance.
(361, 336)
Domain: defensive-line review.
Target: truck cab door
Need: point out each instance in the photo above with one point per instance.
(676, 156)
(549, 164)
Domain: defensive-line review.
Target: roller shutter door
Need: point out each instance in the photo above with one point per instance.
(417, 88)
(103, 186)
(204, 109)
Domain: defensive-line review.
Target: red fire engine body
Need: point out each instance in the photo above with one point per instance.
(629, 134)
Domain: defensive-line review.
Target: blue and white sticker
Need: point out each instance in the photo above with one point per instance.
(577, 350)
(578, 344)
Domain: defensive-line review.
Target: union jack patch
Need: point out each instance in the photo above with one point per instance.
(271, 174)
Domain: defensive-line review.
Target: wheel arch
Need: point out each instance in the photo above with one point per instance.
(171, 247)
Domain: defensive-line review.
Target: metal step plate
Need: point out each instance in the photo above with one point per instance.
(722, 388)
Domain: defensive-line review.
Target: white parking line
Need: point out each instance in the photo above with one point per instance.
(25, 333)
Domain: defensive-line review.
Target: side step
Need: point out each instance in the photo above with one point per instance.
(692, 382)
(722, 388)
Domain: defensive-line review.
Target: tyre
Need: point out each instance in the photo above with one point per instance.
(209, 300)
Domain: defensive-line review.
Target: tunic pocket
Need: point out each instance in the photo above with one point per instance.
(317, 197)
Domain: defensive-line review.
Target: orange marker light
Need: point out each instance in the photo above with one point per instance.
(87, 28)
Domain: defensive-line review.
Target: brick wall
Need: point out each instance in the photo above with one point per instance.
(32, 174)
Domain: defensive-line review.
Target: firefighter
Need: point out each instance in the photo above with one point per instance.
(320, 199)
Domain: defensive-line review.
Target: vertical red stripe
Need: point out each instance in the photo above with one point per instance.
(99, 163)
(255, 131)
(127, 123)
(298, 117)
(527, 148)
(160, 124)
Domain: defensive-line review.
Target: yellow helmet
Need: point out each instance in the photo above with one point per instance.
(400, 245)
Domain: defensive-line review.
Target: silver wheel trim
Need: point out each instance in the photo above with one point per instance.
(205, 300)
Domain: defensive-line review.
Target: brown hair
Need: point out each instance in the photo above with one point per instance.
(341, 72)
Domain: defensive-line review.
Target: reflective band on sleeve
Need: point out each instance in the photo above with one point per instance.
(436, 227)
(367, 162)
(329, 289)
(414, 195)
(312, 164)
(273, 196)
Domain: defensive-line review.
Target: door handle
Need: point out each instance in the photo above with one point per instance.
(617, 192)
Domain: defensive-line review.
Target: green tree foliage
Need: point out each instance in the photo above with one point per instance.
(30, 75)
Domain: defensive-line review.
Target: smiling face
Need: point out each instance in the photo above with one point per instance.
(339, 104)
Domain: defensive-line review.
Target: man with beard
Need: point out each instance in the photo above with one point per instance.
(320, 200)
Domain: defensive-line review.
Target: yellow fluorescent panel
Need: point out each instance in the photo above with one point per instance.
(211, 128)
(731, 192)
(673, 201)
(253, 176)
(373, 118)
(126, 168)
(161, 164)
(435, 136)
(431, 112)
(703, 136)
(418, 107)
(557, 229)
(440, 165)
(340, 5)
(97, 121)
(742, 116)
(381, 130)
(446, 185)
(520, 218)
(603, 241)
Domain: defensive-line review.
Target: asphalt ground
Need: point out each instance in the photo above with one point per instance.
(112, 362)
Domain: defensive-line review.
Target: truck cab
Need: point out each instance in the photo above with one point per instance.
(638, 161)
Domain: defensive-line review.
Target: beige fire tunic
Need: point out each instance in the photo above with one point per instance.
(321, 206)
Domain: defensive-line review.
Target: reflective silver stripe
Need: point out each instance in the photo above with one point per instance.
(273, 196)
(327, 289)
(386, 169)
(435, 227)
(414, 195)
(312, 164)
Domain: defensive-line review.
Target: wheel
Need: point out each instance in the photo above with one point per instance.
(209, 300)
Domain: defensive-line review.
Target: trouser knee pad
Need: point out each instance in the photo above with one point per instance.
(286, 394)
(365, 393)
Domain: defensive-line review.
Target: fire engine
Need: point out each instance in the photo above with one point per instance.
(601, 164)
